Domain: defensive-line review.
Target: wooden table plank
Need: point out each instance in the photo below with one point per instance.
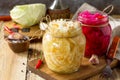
(12, 65)
(36, 46)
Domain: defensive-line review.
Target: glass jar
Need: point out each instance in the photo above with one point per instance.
(97, 30)
(63, 50)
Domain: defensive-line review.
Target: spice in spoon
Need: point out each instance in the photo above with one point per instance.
(14, 35)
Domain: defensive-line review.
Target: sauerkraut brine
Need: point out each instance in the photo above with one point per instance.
(63, 46)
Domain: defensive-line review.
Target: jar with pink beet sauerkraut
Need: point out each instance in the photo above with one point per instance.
(97, 30)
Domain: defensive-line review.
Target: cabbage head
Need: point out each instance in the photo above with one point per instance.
(29, 14)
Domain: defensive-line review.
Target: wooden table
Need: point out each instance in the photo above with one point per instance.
(14, 66)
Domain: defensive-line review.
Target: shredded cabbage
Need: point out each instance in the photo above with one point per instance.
(29, 14)
(63, 55)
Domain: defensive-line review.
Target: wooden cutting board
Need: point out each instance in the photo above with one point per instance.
(87, 70)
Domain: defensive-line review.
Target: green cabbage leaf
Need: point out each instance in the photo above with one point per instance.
(29, 14)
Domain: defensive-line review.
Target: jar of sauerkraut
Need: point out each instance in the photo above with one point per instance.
(63, 46)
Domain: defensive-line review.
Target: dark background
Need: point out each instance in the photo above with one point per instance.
(7, 5)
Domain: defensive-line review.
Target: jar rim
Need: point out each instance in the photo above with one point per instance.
(66, 35)
(93, 17)
(64, 28)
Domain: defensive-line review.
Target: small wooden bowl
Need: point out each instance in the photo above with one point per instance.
(19, 46)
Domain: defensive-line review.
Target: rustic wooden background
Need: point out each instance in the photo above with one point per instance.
(7, 5)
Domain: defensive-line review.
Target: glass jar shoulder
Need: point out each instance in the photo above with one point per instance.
(80, 38)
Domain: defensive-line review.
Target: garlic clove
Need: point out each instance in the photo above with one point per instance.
(94, 59)
(43, 26)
